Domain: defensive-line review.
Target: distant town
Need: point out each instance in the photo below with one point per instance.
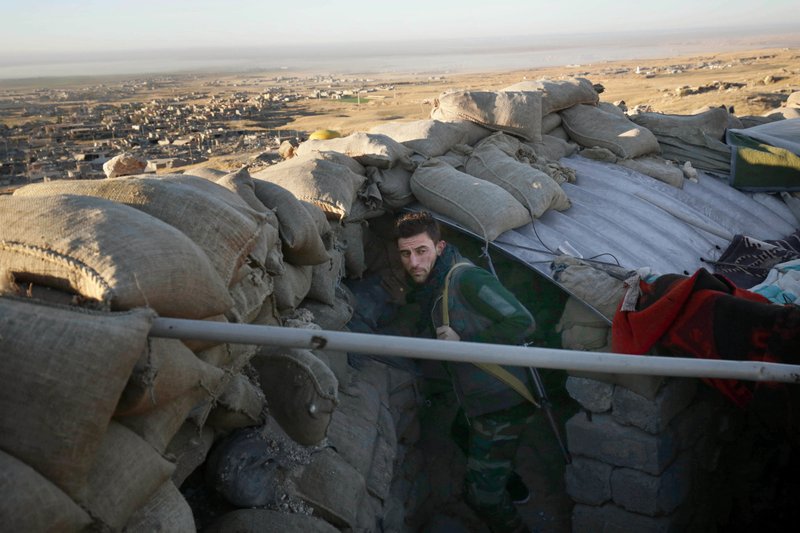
(168, 121)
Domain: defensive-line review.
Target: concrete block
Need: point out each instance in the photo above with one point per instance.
(588, 481)
(605, 440)
(652, 495)
(654, 415)
(612, 519)
(594, 396)
(646, 386)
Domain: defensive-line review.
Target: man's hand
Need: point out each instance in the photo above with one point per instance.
(446, 333)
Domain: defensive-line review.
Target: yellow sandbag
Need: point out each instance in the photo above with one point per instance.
(325, 134)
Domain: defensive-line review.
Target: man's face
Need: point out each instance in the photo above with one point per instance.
(418, 254)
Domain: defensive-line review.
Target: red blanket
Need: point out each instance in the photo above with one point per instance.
(707, 316)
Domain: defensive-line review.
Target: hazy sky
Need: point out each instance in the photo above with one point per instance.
(65, 26)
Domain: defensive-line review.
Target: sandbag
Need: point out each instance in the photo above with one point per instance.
(249, 294)
(583, 329)
(292, 286)
(166, 510)
(301, 391)
(550, 122)
(109, 254)
(518, 113)
(369, 149)
(353, 431)
(655, 167)
(244, 468)
(430, 138)
(559, 94)
(590, 126)
(158, 426)
(326, 277)
(241, 183)
(332, 487)
(207, 173)
(265, 521)
(481, 206)
(393, 184)
(166, 371)
(531, 187)
(124, 477)
(713, 123)
(241, 404)
(226, 234)
(592, 285)
(553, 148)
(31, 503)
(320, 221)
(302, 244)
(62, 371)
(329, 317)
(330, 185)
(189, 447)
(351, 238)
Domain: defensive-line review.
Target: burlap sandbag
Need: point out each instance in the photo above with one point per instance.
(430, 138)
(552, 148)
(351, 237)
(330, 317)
(559, 94)
(655, 167)
(61, 373)
(320, 221)
(292, 286)
(31, 503)
(166, 371)
(590, 126)
(583, 329)
(167, 510)
(354, 425)
(208, 173)
(393, 184)
(124, 477)
(332, 487)
(325, 278)
(531, 187)
(328, 184)
(301, 391)
(592, 285)
(158, 426)
(240, 405)
(302, 244)
(519, 113)
(189, 447)
(265, 521)
(481, 206)
(109, 254)
(369, 149)
(241, 183)
(687, 127)
(226, 234)
(550, 122)
(249, 294)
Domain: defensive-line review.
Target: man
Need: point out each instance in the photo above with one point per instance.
(479, 309)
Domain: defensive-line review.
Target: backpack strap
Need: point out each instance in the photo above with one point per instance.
(490, 368)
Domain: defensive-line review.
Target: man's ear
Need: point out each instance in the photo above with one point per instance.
(440, 247)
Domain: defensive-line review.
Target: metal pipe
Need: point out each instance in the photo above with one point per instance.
(472, 351)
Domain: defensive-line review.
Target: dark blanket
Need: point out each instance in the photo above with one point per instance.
(747, 261)
(707, 316)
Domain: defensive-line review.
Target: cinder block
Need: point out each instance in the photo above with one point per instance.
(652, 495)
(588, 481)
(612, 519)
(646, 386)
(593, 395)
(605, 440)
(653, 415)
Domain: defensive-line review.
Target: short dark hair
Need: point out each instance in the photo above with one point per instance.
(410, 224)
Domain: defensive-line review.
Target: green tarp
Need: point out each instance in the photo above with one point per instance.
(767, 157)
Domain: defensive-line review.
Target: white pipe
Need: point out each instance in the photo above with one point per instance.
(472, 351)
